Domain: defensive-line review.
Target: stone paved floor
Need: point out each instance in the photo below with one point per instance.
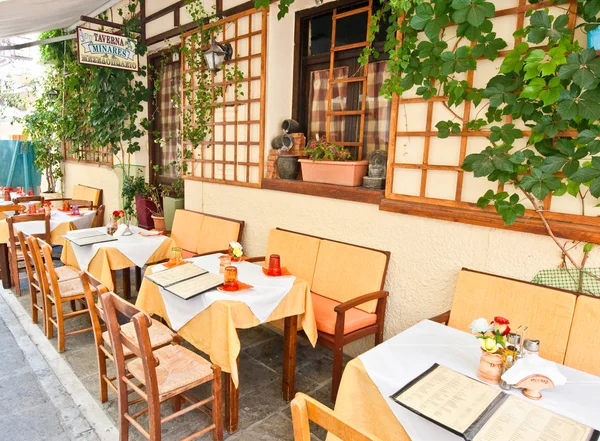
(264, 415)
(33, 403)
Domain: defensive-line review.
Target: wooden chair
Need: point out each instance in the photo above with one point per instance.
(306, 409)
(15, 253)
(165, 374)
(81, 203)
(56, 293)
(160, 335)
(99, 218)
(26, 199)
(16, 208)
(82, 193)
(63, 272)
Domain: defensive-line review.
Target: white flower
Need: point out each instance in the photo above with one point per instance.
(480, 325)
(235, 245)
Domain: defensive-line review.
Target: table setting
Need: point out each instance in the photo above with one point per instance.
(370, 381)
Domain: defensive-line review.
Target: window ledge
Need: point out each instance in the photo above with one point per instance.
(355, 194)
(566, 226)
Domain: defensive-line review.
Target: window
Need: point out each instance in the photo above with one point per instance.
(336, 97)
(88, 155)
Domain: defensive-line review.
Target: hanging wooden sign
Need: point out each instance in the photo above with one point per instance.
(106, 50)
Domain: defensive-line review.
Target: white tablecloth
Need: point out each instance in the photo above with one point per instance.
(57, 218)
(400, 359)
(268, 292)
(136, 248)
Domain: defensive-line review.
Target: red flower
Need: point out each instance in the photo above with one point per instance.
(116, 213)
(501, 320)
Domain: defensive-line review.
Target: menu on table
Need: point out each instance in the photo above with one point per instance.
(479, 412)
(186, 281)
(88, 238)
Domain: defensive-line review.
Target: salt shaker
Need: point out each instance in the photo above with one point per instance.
(531, 347)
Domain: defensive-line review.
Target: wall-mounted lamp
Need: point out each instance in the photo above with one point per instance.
(217, 54)
(318, 2)
(52, 94)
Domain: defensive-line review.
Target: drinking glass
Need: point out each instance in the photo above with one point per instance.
(274, 265)
(230, 282)
(176, 255)
(224, 261)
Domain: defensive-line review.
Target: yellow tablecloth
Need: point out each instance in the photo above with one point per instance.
(109, 259)
(213, 331)
(360, 403)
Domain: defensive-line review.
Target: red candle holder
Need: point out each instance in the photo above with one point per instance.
(274, 265)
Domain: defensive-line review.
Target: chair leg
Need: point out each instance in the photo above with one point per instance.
(101, 375)
(123, 409)
(34, 303)
(176, 403)
(48, 311)
(336, 377)
(154, 423)
(60, 320)
(217, 406)
(73, 305)
(379, 336)
(14, 273)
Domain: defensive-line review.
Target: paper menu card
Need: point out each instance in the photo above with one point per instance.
(195, 286)
(479, 412)
(89, 239)
(79, 234)
(175, 275)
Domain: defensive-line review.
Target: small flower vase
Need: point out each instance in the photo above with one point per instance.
(128, 231)
(233, 258)
(112, 226)
(490, 367)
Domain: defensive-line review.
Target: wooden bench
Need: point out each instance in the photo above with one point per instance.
(200, 233)
(562, 320)
(346, 283)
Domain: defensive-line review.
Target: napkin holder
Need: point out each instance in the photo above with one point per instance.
(532, 374)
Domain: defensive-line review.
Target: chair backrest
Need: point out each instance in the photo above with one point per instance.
(94, 309)
(81, 203)
(216, 233)
(42, 257)
(20, 218)
(86, 193)
(548, 312)
(28, 259)
(582, 352)
(344, 272)
(112, 306)
(99, 218)
(23, 199)
(13, 207)
(306, 409)
(186, 229)
(298, 252)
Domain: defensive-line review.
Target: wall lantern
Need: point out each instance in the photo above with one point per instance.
(318, 2)
(217, 54)
(52, 94)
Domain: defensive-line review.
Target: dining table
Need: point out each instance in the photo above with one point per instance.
(103, 260)
(369, 381)
(210, 320)
(60, 223)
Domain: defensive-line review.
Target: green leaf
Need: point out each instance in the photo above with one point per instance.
(567, 109)
(584, 78)
(532, 90)
(595, 188)
(573, 188)
(585, 174)
(588, 247)
(553, 164)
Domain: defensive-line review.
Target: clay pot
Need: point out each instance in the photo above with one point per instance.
(283, 142)
(288, 166)
(159, 223)
(290, 126)
(490, 367)
(347, 173)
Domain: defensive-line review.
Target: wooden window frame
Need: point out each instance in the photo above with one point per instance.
(87, 153)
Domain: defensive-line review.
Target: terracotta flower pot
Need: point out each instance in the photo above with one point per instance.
(490, 367)
(347, 173)
(159, 223)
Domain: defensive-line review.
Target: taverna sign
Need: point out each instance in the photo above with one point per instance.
(106, 50)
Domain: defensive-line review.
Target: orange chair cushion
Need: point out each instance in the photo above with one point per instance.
(298, 252)
(186, 229)
(547, 312)
(326, 316)
(582, 348)
(216, 234)
(344, 272)
(187, 254)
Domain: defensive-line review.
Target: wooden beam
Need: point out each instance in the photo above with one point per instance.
(355, 194)
(97, 21)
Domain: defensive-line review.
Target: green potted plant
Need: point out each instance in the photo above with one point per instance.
(136, 201)
(172, 199)
(154, 194)
(329, 163)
